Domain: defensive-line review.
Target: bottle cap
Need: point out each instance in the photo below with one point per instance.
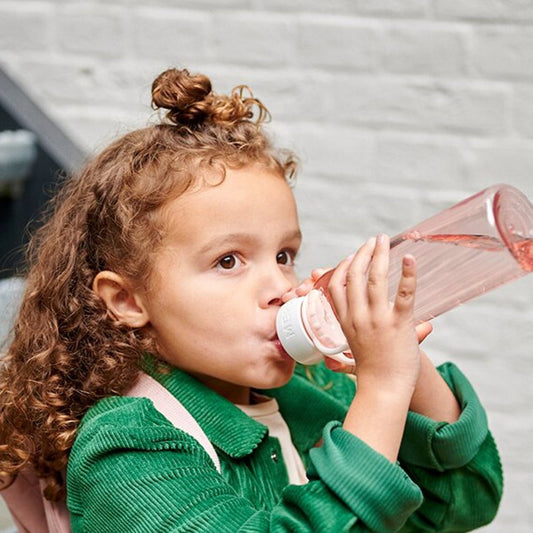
(513, 214)
(293, 335)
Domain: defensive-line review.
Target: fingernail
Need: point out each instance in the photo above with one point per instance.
(408, 260)
(381, 238)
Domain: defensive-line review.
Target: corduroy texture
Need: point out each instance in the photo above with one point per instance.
(130, 470)
(447, 445)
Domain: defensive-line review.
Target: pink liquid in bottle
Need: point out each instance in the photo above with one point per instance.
(466, 250)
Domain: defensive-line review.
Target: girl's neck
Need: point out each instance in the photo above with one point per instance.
(234, 393)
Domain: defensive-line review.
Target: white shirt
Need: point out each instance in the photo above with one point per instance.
(266, 412)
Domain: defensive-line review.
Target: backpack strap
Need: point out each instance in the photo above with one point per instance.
(169, 406)
(25, 502)
(32, 512)
(57, 514)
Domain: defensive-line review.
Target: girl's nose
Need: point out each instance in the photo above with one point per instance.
(273, 287)
(275, 302)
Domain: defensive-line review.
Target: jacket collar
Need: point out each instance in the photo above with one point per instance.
(305, 408)
(225, 425)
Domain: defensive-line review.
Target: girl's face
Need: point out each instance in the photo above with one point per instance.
(227, 260)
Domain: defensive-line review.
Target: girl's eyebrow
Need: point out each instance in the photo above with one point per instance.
(228, 238)
(243, 238)
(295, 235)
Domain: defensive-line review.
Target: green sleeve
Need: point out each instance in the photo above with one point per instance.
(138, 477)
(457, 465)
(377, 491)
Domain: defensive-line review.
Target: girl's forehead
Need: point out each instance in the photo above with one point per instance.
(245, 198)
(250, 184)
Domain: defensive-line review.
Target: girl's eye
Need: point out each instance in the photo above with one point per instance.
(285, 258)
(228, 262)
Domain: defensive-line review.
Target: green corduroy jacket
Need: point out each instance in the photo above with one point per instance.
(130, 470)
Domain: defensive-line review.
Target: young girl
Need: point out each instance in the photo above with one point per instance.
(172, 253)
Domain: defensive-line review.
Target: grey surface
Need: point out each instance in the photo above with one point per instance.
(10, 294)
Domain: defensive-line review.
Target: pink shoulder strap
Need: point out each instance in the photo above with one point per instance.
(173, 410)
(32, 513)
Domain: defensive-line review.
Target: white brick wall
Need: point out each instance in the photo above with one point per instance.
(399, 108)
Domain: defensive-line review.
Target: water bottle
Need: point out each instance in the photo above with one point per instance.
(462, 252)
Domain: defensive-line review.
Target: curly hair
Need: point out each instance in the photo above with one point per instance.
(67, 351)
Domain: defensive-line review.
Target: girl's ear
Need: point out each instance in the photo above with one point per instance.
(123, 303)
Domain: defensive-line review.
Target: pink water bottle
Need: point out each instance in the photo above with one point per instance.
(461, 252)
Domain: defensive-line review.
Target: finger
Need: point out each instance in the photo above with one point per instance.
(338, 366)
(337, 285)
(304, 287)
(301, 290)
(378, 286)
(405, 296)
(289, 295)
(356, 278)
(317, 273)
(423, 330)
(346, 274)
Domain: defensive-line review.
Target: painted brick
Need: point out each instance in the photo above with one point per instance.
(385, 8)
(248, 38)
(25, 28)
(418, 161)
(502, 162)
(170, 36)
(523, 110)
(334, 42)
(416, 49)
(335, 150)
(488, 342)
(203, 5)
(61, 83)
(308, 6)
(503, 52)
(91, 31)
(420, 105)
(485, 10)
(349, 212)
(82, 82)
(394, 8)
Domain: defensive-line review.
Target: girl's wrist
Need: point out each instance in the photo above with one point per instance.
(377, 416)
(397, 383)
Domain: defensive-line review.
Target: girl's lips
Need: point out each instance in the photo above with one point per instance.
(281, 350)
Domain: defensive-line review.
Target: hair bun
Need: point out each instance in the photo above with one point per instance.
(191, 102)
(183, 94)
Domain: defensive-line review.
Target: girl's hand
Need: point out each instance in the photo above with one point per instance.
(305, 286)
(422, 332)
(381, 335)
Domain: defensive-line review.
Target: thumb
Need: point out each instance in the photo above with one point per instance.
(423, 330)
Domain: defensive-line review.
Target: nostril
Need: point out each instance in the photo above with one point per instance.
(275, 302)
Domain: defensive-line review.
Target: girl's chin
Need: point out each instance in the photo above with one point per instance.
(277, 377)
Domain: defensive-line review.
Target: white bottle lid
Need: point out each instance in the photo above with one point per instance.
(293, 335)
(291, 327)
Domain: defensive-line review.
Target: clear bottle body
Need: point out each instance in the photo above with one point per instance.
(462, 252)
